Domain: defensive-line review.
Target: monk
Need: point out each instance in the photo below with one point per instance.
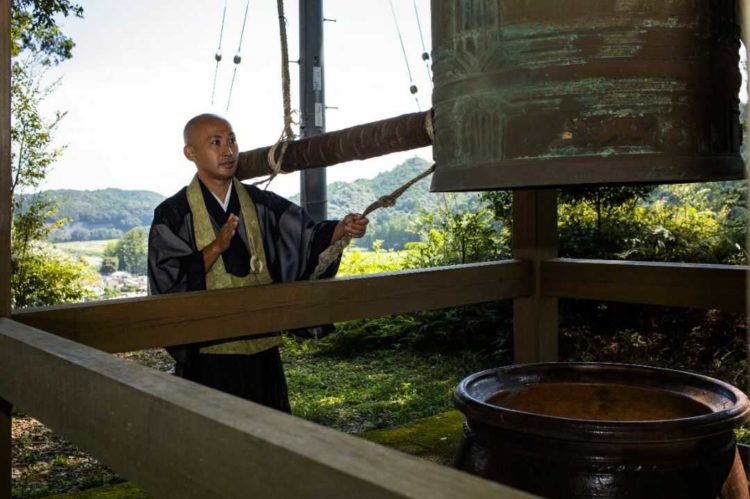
(218, 233)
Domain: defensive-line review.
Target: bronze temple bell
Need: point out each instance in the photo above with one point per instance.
(568, 92)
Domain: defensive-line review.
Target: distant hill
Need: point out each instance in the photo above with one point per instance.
(109, 213)
(100, 214)
(391, 225)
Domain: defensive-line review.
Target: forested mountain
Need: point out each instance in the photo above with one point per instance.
(391, 225)
(99, 214)
(110, 213)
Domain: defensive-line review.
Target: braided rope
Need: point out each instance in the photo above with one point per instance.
(275, 160)
(331, 253)
(288, 133)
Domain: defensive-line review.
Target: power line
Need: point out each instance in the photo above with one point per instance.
(425, 53)
(412, 86)
(217, 56)
(238, 56)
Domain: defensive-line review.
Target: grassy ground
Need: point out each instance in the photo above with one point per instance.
(85, 248)
(377, 389)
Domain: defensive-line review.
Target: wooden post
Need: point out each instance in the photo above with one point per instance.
(535, 239)
(5, 174)
(5, 223)
(745, 19)
(5, 445)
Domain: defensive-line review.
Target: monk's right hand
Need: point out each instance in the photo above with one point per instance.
(227, 232)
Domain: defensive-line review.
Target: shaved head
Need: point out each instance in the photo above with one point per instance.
(188, 133)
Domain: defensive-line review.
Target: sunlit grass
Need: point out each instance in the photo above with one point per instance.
(374, 390)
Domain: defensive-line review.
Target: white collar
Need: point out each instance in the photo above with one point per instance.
(225, 203)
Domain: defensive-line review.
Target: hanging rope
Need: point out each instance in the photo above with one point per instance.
(425, 53)
(412, 86)
(331, 253)
(237, 56)
(277, 151)
(217, 56)
(288, 133)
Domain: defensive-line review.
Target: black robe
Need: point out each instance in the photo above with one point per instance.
(292, 242)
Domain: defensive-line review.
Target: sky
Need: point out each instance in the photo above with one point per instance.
(142, 68)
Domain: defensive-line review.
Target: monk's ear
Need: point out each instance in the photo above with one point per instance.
(189, 153)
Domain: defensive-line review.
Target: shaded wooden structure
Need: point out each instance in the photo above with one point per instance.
(178, 439)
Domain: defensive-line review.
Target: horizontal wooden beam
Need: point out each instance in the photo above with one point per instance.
(175, 438)
(402, 133)
(156, 321)
(668, 284)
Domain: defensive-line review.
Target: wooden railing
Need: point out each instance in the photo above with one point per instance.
(164, 320)
(178, 439)
(668, 284)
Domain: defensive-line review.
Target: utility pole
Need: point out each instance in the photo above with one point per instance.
(313, 193)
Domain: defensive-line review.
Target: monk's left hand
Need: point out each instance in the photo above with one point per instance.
(353, 225)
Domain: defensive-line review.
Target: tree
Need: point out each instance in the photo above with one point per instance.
(131, 251)
(33, 28)
(450, 236)
(109, 265)
(604, 198)
(40, 276)
(32, 152)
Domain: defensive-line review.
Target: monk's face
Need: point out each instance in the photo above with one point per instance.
(212, 146)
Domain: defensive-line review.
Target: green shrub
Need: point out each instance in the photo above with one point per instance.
(109, 265)
(449, 237)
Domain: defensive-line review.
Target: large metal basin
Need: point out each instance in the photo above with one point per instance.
(600, 430)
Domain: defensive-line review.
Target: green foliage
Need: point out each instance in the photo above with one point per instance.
(109, 265)
(500, 203)
(42, 276)
(131, 251)
(449, 236)
(710, 342)
(356, 262)
(31, 134)
(481, 328)
(603, 199)
(699, 223)
(33, 27)
(392, 232)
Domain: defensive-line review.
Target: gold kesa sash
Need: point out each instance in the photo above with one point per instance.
(217, 277)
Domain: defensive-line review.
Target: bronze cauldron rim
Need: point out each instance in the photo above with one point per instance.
(724, 417)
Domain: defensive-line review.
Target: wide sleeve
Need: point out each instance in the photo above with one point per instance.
(174, 263)
(292, 239)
